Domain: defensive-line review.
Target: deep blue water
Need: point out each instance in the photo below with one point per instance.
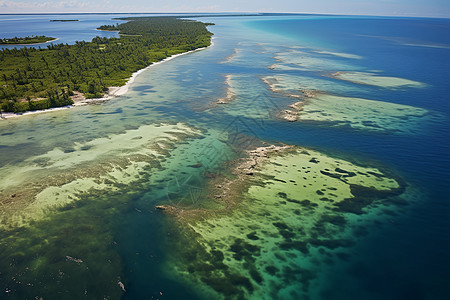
(408, 260)
(404, 259)
(422, 63)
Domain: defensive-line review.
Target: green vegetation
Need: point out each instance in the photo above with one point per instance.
(31, 78)
(26, 40)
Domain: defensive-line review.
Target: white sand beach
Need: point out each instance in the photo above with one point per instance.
(113, 92)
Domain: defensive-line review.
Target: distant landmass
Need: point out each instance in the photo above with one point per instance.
(26, 40)
(64, 20)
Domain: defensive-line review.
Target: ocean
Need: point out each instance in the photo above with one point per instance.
(80, 185)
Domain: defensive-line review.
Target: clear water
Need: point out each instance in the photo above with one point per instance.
(405, 256)
(66, 32)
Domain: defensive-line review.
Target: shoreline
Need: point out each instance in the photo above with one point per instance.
(113, 92)
(107, 30)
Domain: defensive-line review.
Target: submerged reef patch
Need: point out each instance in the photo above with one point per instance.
(376, 80)
(229, 94)
(32, 190)
(314, 105)
(62, 225)
(281, 214)
(363, 114)
(60, 257)
(296, 86)
(306, 61)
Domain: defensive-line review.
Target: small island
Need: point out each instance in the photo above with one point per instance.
(26, 40)
(64, 20)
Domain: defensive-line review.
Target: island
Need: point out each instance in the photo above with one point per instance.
(28, 40)
(64, 20)
(35, 79)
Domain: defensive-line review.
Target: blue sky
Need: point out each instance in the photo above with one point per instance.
(434, 8)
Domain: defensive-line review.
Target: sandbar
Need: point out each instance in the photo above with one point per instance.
(339, 54)
(230, 94)
(376, 80)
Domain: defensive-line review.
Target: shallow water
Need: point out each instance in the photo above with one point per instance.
(113, 166)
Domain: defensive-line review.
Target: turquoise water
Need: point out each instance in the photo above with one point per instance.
(115, 229)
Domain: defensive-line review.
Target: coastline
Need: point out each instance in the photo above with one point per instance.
(113, 91)
(107, 30)
(11, 115)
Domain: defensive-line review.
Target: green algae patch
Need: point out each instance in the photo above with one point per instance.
(377, 80)
(362, 114)
(288, 210)
(65, 230)
(73, 255)
(32, 190)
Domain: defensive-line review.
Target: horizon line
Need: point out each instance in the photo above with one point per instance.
(218, 13)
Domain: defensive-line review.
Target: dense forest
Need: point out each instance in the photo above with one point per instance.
(26, 40)
(33, 78)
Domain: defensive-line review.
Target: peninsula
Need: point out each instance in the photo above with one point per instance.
(35, 79)
(28, 40)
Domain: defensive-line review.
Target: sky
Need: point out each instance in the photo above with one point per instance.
(422, 8)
